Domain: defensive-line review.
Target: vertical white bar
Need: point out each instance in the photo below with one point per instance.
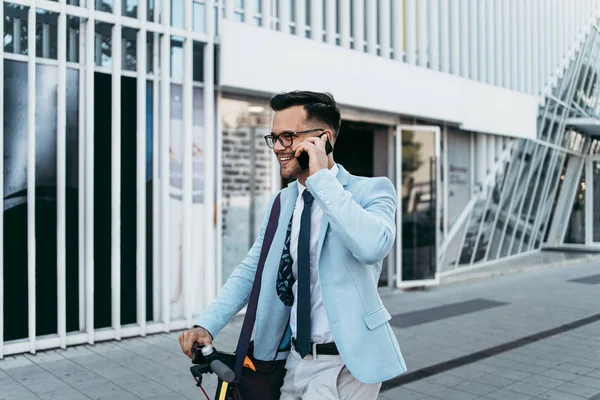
(31, 45)
(266, 13)
(115, 179)
(209, 182)
(534, 49)
(358, 22)
(445, 168)
(491, 152)
(410, 20)
(399, 208)
(219, 193)
(423, 43)
(284, 16)
(483, 42)
(514, 45)
(248, 12)
(398, 29)
(156, 184)
(562, 23)
(140, 180)
(521, 39)
(90, 57)
(506, 44)
(455, 38)
(81, 174)
(492, 43)
(543, 44)
(300, 11)
(464, 38)
(165, 136)
(473, 39)
(2, 187)
(482, 162)
(345, 22)
(383, 24)
(549, 29)
(188, 109)
(228, 9)
(331, 21)
(499, 45)
(61, 177)
(445, 36)
(371, 28)
(316, 20)
(434, 34)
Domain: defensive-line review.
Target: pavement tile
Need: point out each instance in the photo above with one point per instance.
(557, 395)
(454, 394)
(476, 388)
(167, 396)
(424, 387)
(14, 362)
(148, 389)
(576, 369)
(543, 381)
(578, 390)
(560, 375)
(594, 374)
(587, 381)
(102, 390)
(401, 393)
(493, 380)
(64, 394)
(504, 394)
(526, 388)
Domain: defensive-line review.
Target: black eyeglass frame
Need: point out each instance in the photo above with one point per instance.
(291, 136)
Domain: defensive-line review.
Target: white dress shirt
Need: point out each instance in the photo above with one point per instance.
(320, 330)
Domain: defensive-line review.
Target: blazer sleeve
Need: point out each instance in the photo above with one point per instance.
(368, 230)
(235, 293)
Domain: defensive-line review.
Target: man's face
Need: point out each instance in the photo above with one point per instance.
(291, 120)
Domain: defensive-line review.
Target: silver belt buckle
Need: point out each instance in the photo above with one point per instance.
(314, 350)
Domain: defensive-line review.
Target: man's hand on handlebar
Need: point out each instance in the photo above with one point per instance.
(196, 335)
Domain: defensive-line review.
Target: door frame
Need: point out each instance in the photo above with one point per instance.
(589, 202)
(436, 130)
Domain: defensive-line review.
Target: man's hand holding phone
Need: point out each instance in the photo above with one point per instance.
(316, 148)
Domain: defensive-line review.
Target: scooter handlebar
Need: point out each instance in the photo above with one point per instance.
(222, 371)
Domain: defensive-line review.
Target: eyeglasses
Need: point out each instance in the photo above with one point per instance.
(286, 139)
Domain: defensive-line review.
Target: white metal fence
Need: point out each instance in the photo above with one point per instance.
(169, 48)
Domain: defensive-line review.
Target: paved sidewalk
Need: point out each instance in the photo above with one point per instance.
(533, 335)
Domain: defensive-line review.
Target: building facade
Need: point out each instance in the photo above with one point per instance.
(135, 176)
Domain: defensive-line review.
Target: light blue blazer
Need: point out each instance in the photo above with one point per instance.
(357, 232)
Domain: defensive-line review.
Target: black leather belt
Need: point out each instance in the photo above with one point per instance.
(326, 349)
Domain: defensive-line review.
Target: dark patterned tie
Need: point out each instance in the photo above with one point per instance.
(303, 321)
(285, 278)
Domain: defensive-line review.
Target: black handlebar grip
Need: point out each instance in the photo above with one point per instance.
(222, 371)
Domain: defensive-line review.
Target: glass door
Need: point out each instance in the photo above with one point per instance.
(418, 214)
(592, 226)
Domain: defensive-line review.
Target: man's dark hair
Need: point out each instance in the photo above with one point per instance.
(319, 107)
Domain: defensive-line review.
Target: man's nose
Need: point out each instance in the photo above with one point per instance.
(277, 146)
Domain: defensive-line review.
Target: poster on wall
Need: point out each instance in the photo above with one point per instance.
(177, 216)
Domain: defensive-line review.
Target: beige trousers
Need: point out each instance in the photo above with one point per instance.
(323, 377)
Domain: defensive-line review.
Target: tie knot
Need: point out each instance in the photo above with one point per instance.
(308, 197)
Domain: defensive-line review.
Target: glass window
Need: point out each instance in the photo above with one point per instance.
(239, 4)
(46, 35)
(199, 17)
(257, 21)
(177, 57)
(596, 200)
(15, 28)
(238, 16)
(198, 63)
(104, 5)
(150, 53)
(258, 6)
(103, 44)
(129, 8)
(73, 39)
(308, 12)
(178, 13)
(576, 228)
(129, 49)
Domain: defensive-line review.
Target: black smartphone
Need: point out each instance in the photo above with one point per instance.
(303, 157)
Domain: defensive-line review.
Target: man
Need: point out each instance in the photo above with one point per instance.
(319, 284)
